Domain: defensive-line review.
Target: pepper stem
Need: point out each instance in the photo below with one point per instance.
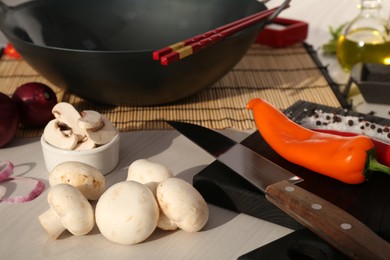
(374, 165)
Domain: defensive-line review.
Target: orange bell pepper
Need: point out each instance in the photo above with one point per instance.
(382, 149)
(349, 159)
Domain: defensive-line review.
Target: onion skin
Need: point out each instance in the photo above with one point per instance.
(6, 170)
(35, 101)
(9, 119)
(34, 193)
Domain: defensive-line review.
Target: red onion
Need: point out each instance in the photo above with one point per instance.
(9, 119)
(6, 170)
(35, 101)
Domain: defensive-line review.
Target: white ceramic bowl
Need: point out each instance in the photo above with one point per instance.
(104, 157)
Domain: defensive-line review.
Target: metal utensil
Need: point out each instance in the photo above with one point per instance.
(337, 227)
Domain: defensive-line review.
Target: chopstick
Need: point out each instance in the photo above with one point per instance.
(187, 47)
(164, 51)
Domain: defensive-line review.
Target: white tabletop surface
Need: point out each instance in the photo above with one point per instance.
(227, 235)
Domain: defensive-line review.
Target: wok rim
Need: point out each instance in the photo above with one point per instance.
(12, 39)
(139, 51)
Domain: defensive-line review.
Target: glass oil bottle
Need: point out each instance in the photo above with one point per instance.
(366, 38)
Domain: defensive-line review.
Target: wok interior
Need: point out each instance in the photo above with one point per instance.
(120, 25)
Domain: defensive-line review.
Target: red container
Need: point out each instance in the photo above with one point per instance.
(283, 32)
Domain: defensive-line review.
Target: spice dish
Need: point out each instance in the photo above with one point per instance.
(283, 32)
(104, 157)
(372, 80)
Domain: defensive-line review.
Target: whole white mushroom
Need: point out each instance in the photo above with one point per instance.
(182, 204)
(151, 174)
(127, 213)
(86, 178)
(148, 173)
(166, 223)
(69, 209)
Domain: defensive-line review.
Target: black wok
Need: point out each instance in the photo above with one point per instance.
(102, 50)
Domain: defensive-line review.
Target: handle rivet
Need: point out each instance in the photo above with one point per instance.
(316, 206)
(289, 188)
(346, 226)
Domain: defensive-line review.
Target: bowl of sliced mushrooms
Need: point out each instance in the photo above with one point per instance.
(86, 136)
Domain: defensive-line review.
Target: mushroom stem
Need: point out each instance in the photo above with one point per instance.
(70, 210)
(51, 222)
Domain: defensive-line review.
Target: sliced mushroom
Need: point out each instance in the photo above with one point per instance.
(69, 209)
(104, 135)
(90, 119)
(86, 144)
(127, 213)
(54, 136)
(182, 204)
(86, 178)
(67, 114)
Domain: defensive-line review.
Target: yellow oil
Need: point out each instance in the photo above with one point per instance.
(362, 45)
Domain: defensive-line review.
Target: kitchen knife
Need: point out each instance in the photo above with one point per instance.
(337, 227)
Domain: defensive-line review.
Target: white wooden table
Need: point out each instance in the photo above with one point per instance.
(227, 235)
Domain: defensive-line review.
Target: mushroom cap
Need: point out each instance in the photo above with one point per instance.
(86, 178)
(67, 114)
(90, 119)
(104, 134)
(54, 136)
(127, 213)
(148, 173)
(74, 210)
(183, 204)
(166, 223)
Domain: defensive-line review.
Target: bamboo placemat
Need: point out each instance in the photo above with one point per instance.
(281, 76)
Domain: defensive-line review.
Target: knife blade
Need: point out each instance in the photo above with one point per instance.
(337, 227)
(229, 152)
